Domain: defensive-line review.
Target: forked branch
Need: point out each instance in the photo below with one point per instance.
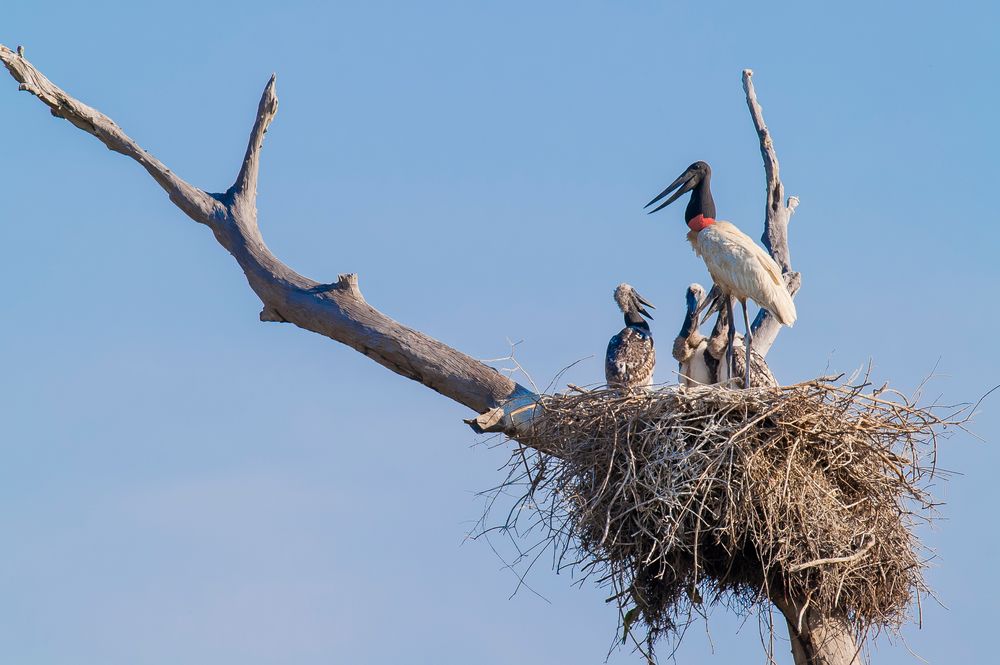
(195, 203)
(777, 214)
(244, 190)
(335, 310)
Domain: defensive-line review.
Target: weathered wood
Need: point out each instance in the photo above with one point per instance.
(777, 214)
(336, 310)
(818, 640)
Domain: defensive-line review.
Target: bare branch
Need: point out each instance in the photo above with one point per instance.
(336, 310)
(244, 190)
(198, 205)
(835, 559)
(776, 218)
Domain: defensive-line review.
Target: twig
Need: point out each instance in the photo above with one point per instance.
(837, 559)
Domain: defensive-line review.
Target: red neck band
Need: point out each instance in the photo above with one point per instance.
(700, 222)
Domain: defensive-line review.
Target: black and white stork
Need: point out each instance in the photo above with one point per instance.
(741, 269)
(631, 357)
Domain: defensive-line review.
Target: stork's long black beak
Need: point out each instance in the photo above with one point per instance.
(687, 181)
(643, 303)
(712, 303)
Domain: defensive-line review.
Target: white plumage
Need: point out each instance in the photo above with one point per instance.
(695, 366)
(743, 269)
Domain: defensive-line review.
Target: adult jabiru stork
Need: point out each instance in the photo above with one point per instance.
(631, 357)
(741, 269)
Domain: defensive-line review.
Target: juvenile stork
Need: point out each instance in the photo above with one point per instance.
(631, 358)
(695, 366)
(740, 268)
(699, 358)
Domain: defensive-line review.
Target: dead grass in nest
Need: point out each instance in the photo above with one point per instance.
(685, 496)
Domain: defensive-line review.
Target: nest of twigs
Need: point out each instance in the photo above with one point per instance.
(684, 496)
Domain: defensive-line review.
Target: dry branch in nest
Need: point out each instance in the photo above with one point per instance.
(808, 492)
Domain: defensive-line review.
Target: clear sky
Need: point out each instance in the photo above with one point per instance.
(180, 483)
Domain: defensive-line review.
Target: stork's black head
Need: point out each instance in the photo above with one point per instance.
(697, 179)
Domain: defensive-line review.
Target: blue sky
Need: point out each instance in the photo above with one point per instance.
(181, 483)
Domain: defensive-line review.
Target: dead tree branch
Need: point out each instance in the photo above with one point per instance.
(335, 310)
(777, 215)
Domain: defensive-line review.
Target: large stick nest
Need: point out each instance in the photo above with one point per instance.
(809, 492)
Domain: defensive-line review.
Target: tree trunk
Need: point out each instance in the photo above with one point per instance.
(818, 640)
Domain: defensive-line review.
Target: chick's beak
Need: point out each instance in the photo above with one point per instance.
(643, 303)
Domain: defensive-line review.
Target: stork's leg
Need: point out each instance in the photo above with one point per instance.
(730, 353)
(748, 340)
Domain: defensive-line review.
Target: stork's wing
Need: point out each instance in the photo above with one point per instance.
(772, 268)
(742, 268)
(614, 366)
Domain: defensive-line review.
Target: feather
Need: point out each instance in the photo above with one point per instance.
(694, 370)
(630, 359)
(743, 269)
